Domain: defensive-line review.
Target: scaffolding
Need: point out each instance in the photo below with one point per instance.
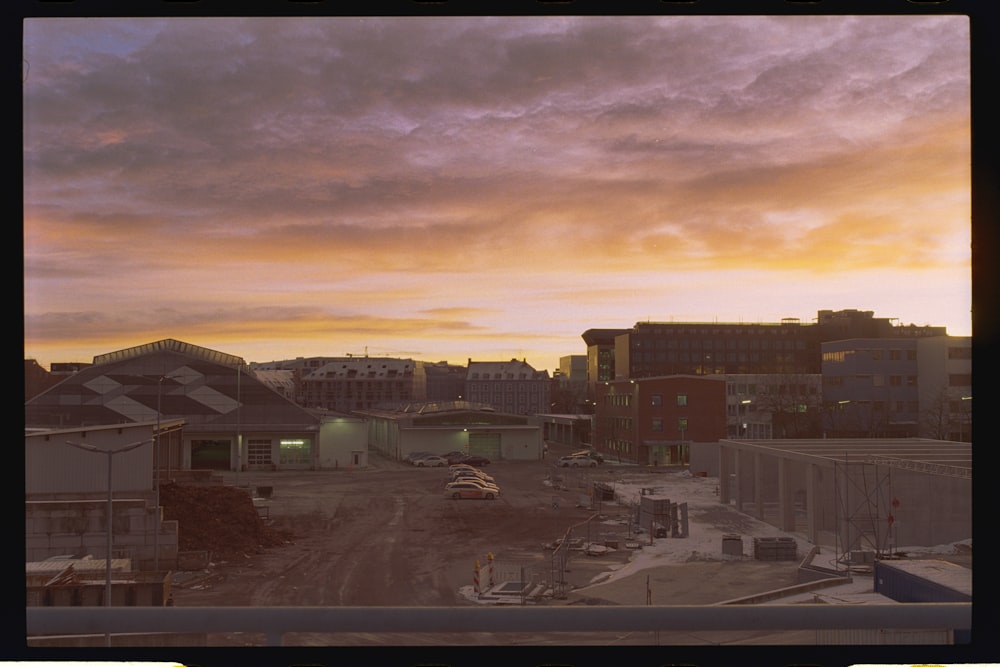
(863, 506)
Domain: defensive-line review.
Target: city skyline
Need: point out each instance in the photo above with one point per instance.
(488, 188)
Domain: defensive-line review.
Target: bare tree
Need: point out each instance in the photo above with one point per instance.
(794, 402)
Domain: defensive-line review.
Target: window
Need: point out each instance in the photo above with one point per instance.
(682, 400)
(682, 424)
(657, 426)
(656, 400)
(295, 451)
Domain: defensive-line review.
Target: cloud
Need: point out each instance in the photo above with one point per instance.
(374, 163)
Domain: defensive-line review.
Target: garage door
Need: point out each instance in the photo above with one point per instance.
(210, 454)
(485, 444)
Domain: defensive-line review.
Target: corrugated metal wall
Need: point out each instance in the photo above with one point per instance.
(52, 466)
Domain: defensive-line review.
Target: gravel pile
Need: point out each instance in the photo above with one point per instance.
(219, 519)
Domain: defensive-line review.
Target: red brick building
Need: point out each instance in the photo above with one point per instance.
(654, 420)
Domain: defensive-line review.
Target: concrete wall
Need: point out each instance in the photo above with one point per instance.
(522, 445)
(704, 458)
(343, 442)
(852, 501)
(62, 527)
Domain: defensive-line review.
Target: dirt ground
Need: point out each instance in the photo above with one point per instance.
(387, 536)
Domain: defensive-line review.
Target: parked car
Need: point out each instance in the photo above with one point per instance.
(459, 490)
(412, 457)
(472, 477)
(454, 457)
(475, 472)
(592, 453)
(479, 482)
(475, 460)
(432, 461)
(575, 461)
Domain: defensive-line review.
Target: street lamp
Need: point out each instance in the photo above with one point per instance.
(156, 463)
(108, 512)
(961, 420)
(156, 473)
(746, 410)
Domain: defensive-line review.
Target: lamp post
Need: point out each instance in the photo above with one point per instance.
(841, 406)
(108, 512)
(156, 472)
(746, 411)
(156, 463)
(961, 419)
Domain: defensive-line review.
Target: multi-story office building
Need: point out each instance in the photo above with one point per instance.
(651, 349)
(945, 384)
(570, 385)
(513, 387)
(898, 387)
(655, 420)
(772, 405)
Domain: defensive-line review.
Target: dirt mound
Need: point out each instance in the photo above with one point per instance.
(218, 519)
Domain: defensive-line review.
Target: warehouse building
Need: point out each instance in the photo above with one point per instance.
(856, 495)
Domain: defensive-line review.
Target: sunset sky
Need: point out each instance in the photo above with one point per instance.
(488, 188)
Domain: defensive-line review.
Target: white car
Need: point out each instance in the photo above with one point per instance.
(576, 461)
(478, 474)
(431, 461)
(489, 483)
(459, 490)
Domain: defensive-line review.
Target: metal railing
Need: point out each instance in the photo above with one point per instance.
(275, 622)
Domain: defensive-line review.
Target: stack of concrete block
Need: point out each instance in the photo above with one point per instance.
(774, 548)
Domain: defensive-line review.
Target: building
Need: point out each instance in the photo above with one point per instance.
(898, 387)
(865, 494)
(453, 426)
(66, 490)
(651, 349)
(37, 379)
(766, 405)
(575, 430)
(511, 387)
(657, 421)
(440, 381)
(870, 388)
(349, 384)
(284, 382)
(945, 387)
(600, 357)
(233, 421)
(569, 392)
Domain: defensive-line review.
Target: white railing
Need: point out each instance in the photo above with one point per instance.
(274, 622)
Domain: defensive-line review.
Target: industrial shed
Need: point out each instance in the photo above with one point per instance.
(855, 495)
(445, 426)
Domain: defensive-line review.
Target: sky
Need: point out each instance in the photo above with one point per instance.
(486, 188)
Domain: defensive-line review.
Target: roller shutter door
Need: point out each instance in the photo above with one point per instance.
(485, 444)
